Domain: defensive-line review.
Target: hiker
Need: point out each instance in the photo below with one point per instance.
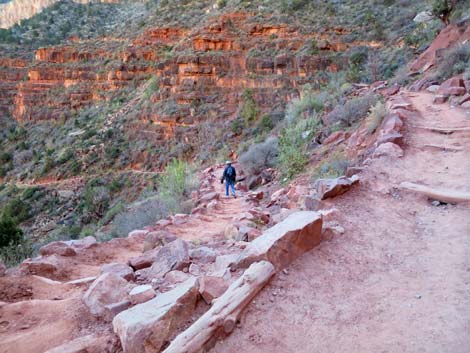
(230, 176)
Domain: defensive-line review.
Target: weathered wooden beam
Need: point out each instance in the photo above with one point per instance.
(223, 315)
(444, 195)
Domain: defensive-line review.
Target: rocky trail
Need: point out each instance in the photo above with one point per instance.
(391, 274)
(397, 280)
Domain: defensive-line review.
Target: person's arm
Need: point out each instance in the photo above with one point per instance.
(223, 176)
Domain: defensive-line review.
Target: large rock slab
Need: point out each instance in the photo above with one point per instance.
(147, 326)
(328, 188)
(211, 287)
(106, 290)
(285, 242)
(59, 248)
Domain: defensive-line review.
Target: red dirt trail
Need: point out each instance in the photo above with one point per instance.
(398, 279)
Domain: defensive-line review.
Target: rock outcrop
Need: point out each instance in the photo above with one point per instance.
(148, 326)
(285, 242)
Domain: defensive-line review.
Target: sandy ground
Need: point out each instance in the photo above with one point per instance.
(398, 279)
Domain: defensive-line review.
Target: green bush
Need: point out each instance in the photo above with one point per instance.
(250, 110)
(96, 200)
(12, 255)
(17, 210)
(10, 234)
(293, 142)
(175, 184)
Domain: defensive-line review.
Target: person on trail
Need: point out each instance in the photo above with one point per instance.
(230, 176)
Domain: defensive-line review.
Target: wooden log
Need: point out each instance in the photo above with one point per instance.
(447, 196)
(442, 130)
(225, 311)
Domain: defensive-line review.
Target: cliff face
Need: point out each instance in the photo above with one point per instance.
(16, 10)
(201, 73)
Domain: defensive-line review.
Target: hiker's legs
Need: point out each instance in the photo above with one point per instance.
(226, 187)
(232, 184)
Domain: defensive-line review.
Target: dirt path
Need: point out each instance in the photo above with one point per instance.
(211, 226)
(398, 279)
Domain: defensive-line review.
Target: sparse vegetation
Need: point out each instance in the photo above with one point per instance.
(352, 111)
(332, 167)
(261, 156)
(454, 61)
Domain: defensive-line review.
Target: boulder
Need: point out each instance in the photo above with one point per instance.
(175, 277)
(173, 256)
(3, 269)
(59, 248)
(158, 238)
(122, 270)
(143, 261)
(203, 254)
(391, 124)
(440, 99)
(309, 203)
(141, 294)
(285, 242)
(254, 181)
(452, 87)
(388, 149)
(433, 88)
(394, 137)
(260, 216)
(328, 188)
(276, 196)
(41, 266)
(211, 287)
(81, 244)
(107, 289)
(148, 326)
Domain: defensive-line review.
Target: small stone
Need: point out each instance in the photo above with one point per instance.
(436, 203)
(122, 270)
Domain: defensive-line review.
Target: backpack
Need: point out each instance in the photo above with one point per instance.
(230, 172)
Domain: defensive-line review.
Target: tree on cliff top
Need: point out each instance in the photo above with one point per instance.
(442, 9)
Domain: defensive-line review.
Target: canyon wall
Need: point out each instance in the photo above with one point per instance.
(201, 74)
(16, 10)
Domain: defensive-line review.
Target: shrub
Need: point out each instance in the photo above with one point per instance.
(333, 167)
(17, 210)
(10, 234)
(375, 117)
(293, 141)
(308, 104)
(12, 255)
(260, 156)
(144, 213)
(250, 110)
(96, 200)
(352, 111)
(454, 62)
(175, 184)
